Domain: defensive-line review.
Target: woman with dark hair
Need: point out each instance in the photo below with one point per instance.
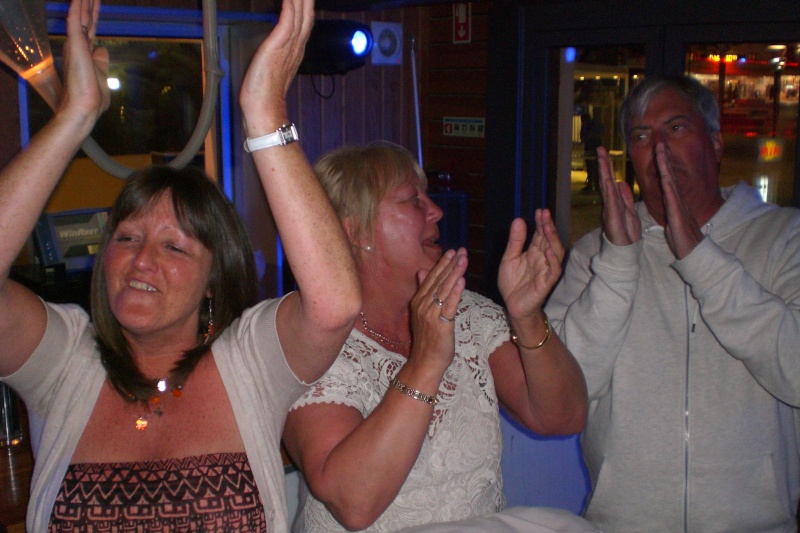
(164, 412)
(204, 213)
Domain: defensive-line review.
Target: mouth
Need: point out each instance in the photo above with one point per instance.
(142, 286)
(431, 242)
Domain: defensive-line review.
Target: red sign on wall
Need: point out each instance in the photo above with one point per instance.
(462, 23)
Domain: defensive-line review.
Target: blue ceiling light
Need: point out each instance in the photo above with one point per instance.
(359, 42)
(336, 46)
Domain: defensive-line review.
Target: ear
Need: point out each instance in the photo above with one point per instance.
(716, 141)
(349, 229)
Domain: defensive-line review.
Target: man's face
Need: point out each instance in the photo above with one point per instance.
(672, 119)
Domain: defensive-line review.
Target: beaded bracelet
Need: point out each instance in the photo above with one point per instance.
(414, 393)
(515, 339)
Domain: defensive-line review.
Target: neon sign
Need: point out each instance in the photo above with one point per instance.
(727, 58)
(770, 150)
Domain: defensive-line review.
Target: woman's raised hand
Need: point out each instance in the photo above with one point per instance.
(527, 277)
(85, 67)
(434, 307)
(263, 93)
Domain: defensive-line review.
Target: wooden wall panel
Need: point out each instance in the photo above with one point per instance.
(374, 102)
(455, 85)
(364, 105)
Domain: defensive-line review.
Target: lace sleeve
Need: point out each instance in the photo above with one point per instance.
(488, 318)
(339, 385)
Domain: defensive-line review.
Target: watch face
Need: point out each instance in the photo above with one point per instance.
(289, 133)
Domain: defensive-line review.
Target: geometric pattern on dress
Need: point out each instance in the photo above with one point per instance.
(204, 493)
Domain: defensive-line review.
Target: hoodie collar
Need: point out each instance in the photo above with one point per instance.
(742, 203)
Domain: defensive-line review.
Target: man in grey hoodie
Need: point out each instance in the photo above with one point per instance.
(684, 313)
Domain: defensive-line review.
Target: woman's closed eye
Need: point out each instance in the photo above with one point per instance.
(124, 237)
(172, 247)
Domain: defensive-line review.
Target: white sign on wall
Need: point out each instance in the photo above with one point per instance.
(464, 126)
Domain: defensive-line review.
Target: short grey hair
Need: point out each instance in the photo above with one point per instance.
(704, 100)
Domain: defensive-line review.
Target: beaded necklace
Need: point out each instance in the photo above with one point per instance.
(154, 402)
(380, 336)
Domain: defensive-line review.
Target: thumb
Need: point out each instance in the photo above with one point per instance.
(422, 274)
(516, 238)
(101, 59)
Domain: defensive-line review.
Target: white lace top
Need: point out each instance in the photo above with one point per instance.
(457, 474)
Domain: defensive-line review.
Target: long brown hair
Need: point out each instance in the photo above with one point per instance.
(204, 213)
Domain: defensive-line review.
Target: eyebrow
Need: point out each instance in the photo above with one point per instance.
(670, 120)
(677, 117)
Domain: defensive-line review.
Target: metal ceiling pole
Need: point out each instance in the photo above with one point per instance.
(416, 101)
(213, 75)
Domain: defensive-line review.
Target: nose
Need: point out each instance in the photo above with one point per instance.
(435, 212)
(145, 257)
(660, 136)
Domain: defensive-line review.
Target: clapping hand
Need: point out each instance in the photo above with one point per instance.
(682, 231)
(527, 277)
(621, 224)
(85, 67)
(263, 93)
(434, 308)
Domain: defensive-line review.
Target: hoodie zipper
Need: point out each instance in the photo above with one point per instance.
(691, 322)
(689, 331)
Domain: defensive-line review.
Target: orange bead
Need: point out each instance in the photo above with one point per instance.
(141, 423)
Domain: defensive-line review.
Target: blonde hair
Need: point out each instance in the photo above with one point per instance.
(357, 178)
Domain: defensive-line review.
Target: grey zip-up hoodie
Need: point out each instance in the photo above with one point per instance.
(693, 370)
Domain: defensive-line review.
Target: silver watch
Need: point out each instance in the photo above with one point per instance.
(284, 135)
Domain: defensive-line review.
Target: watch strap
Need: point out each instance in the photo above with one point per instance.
(284, 135)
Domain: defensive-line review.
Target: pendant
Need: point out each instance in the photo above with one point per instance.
(141, 422)
(162, 386)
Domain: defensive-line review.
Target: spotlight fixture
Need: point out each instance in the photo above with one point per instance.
(336, 47)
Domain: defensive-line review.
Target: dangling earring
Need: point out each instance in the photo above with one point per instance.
(210, 329)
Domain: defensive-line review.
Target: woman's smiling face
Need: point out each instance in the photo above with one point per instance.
(156, 274)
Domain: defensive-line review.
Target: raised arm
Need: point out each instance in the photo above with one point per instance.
(313, 322)
(536, 378)
(28, 180)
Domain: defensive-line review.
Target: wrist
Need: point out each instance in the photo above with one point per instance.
(282, 136)
(421, 376)
(72, 126)
(260, 119)
(531, 334)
